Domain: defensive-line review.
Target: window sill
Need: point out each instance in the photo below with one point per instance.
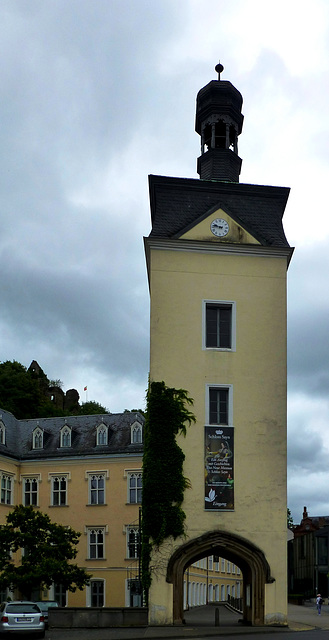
(57, 506)
(89, 504)
(95, 560)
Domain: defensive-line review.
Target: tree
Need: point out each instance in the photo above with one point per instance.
(91, 408)
(167, 415)
(23, 392)
(290, 522)
(47, 550)
(19, 391)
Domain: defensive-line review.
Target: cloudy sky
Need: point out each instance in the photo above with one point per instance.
(97, 94)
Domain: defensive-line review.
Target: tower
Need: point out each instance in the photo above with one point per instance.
(217, 259)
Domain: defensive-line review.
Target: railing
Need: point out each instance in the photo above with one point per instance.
(235, 603)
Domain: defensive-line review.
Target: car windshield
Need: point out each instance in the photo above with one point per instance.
(22, 607)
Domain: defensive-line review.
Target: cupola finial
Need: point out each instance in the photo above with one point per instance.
(219, 68)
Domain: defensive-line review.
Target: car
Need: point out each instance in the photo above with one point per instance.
(21, 616)
(44, 605)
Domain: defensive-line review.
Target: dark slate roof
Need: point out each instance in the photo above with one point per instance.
(83, 436)
(180, 203)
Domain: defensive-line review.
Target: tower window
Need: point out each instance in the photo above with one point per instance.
(219, 325)
(219, 404)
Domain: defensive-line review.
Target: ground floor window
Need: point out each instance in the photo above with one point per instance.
(60, 595)
(97, 593)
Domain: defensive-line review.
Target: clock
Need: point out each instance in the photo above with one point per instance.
(219, 227)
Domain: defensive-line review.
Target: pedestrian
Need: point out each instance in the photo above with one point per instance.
(319, 603)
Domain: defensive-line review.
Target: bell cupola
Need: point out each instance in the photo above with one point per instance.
(219, 122)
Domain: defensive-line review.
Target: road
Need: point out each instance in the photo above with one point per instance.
(200, 624)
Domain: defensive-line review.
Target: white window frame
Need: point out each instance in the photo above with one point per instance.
(89, 476)
(37, 437)
(89, 592)
(132, 528)
(222, 565)
(6, 487)
(2, 432)
(65, 432)
(136, 428)
(52, 477)
(100, 430)
(35, 477)
(130, 474)
(91, 544)
(229, 388)
(228, 303)
(62, 598)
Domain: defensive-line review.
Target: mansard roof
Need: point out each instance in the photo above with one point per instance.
(177, 203)
(19, 434)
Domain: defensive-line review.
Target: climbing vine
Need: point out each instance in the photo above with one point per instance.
(167, 415)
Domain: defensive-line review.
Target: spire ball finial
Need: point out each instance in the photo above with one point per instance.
(219, 68)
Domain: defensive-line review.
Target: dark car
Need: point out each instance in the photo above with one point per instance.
(44, 606)
(21, 616)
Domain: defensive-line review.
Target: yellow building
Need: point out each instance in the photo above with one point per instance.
(211, 579)
(217, 259)
(86, 472)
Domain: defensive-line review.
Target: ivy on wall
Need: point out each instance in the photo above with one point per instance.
(167, 415)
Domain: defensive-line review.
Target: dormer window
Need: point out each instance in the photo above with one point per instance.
(37, 438)
(65, 436)
(2, 433)
(136, 433)
(102, 434)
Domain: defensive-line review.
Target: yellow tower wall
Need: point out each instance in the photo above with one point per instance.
(256, 281)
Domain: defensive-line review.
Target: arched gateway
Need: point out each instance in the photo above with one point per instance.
(217, 260)
(250, 559)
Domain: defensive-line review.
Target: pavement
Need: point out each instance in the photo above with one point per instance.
(200, 623)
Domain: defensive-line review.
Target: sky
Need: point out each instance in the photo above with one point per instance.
(96, 95)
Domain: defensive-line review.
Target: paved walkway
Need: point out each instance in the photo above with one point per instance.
(200, 623)
(307, 617)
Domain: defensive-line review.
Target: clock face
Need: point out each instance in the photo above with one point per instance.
(219, 227)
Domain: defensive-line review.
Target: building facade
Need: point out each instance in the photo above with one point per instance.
(217, 259)
(84, 472)
(309, 557)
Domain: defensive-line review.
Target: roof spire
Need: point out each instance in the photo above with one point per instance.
(219, 68)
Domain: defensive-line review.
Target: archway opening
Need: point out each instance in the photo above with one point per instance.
(249, 558)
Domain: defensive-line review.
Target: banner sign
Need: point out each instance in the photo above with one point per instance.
(219, 468)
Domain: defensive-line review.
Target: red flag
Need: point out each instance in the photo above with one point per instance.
(85, 389)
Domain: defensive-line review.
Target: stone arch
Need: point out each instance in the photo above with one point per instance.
(250, 559)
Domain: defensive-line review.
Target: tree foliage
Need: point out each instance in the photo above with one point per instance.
(167, 416)
(45, 551)
(290, 522)
(25, 393)
(91, 408)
